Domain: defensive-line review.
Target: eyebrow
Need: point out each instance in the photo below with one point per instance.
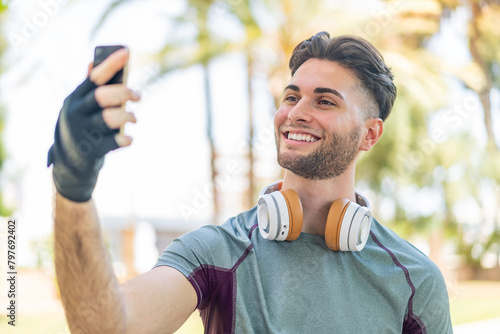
(318, 90)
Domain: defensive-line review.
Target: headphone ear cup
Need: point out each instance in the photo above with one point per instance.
(268, 217)
(295, 214)
(334, 223)
(359, 230)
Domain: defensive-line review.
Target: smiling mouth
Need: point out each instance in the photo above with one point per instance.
(302, 137)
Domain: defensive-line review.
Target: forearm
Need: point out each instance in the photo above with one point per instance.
(89, 289)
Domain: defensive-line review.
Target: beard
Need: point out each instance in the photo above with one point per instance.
(328, 161)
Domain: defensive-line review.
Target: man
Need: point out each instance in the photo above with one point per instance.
(333, 108)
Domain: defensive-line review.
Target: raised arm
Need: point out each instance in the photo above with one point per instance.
(156, 302)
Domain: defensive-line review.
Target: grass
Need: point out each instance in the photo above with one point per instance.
(469, 302)
(474, 301)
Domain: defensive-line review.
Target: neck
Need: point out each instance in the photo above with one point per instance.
(317, 196)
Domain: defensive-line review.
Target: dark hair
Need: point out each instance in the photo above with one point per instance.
(357, 55)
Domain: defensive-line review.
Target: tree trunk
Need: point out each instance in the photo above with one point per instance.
(484, 94)
(213, 154)
(250, 193)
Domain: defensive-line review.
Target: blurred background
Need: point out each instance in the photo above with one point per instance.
(210, 73)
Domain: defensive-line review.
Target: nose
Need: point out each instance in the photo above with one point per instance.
(300, 112)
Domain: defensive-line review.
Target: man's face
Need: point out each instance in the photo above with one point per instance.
(319, 123)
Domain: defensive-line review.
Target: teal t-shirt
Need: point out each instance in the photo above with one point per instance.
(247, 284)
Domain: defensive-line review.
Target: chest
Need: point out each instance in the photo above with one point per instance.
(308, 288)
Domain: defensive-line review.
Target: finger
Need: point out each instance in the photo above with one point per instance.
(107, 143)
(123, 140)
(99, 127)
(114, 95)
(103, 72)
(84, 94)
(115, 118)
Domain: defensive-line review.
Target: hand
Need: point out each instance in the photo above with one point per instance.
(87, 129)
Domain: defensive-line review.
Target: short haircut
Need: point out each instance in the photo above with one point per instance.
(361, 58)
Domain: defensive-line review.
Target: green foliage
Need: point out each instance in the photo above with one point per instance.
(458, 168)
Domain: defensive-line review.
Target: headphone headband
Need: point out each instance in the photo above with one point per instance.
(362, 200)
(275, 186)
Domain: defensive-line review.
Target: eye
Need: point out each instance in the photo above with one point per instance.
(291, 98)
(326, 102)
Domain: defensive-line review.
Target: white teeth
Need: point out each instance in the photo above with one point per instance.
(301, 137)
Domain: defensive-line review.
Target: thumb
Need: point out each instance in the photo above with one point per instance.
(90, 68)
(103, 72)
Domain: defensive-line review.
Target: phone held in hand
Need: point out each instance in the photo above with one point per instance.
(102, 52)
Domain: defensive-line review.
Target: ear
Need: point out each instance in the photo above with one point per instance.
(372, 132)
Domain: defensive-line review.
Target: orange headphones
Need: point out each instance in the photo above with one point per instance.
(279, 214)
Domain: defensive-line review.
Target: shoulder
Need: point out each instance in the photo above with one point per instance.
(217, 245)
(420, 271)
(234, 231)
(428, 304)
(242, 226)
(398, 249)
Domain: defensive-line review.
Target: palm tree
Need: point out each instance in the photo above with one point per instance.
(202, 49)
(484, 47)
(485, 51)
(242, 10)
(480, 76)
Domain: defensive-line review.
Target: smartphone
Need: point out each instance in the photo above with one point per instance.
(102, 52)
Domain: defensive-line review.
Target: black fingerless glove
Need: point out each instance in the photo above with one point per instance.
(80, 142)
